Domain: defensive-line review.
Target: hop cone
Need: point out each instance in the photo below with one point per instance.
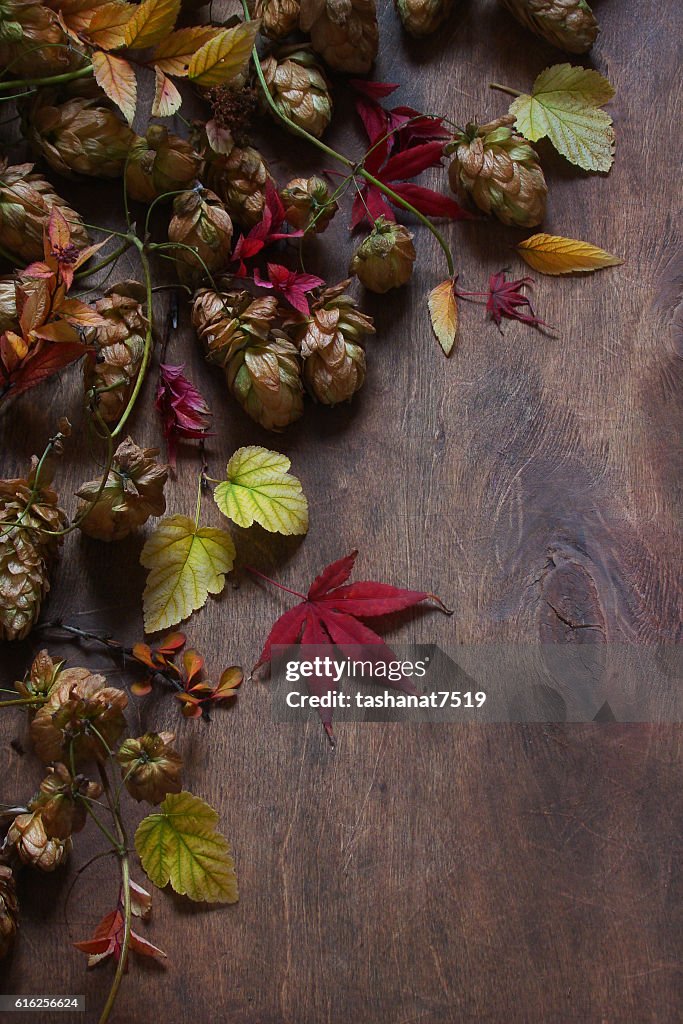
(279, 18)
(80, 137)
(26, 554)
(26, 201)
(568, 24)
(500, 170)
(265, 378)
(113, 367)
(79, 713)
(29, 838)
(422, 17)
(343, 32)
(9, 910)
(228, 321)
(334, 366)
(8, 304)
(307, 204)
(150, 767)
(133, 491)
(385, 258)
(299, 89)
(61, 810)
(41, 677)
(200, 222)
(32, 42)
(159, 163)
(239, 179)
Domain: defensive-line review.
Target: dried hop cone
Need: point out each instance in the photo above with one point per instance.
(160, 162)
(299, 89)
(239, 178)
(307, 204)
(58, 801)
(279, 18)
(200, 222)
(31, 842)
(343, 32)
(32, 41)
(227, 321)
(41, 677)
(81, 711)
(265, 378)
(27, 508)
(26, 202)
(111, 369)
(385, 258)
(501, 172)
(150, 767)
(568, 24)
(9, 910)
(134, 491)
(422, 17)
(80, 137)
(8, 304)
(334, 362)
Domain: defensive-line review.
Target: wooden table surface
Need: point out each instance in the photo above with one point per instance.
(429, 874)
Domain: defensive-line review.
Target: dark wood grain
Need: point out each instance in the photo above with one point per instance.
(433, 874)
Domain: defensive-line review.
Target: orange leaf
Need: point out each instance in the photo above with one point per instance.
(59, 331)
(141, 689)
(552, 254)
(167, 99)
(77, 312)
(32, 306)
(172, 55)
(153, 20)
(41, 366)
(193, 663)
(443, 312)
(58, 230)
(116, 78)
(228, 683)
(143, 654)
(171, 643)
(106, 27)
(223, 58)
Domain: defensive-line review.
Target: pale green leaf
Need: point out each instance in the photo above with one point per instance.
(179, 844)
(259, 489)
(564, 106)
(186, 564)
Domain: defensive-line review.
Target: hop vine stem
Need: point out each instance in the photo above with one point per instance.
(504, 88)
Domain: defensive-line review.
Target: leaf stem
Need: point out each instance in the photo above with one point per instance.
(22, 702)
(149, 339)
(504, 88)
(280, 586)
(67, 76)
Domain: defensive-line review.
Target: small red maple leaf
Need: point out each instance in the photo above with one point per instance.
(264, 233)
(506, 299)
(330, 613)
(291, 285)
(183, 411)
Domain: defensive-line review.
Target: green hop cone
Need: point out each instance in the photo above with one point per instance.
(299, 88)
(568, 24)
(422, 17)
(385, 258)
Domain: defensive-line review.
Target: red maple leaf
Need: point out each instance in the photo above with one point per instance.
(330, 613)
(184, 413)
(264, 233)
(506, 299)
(291, 285)
(405, 125)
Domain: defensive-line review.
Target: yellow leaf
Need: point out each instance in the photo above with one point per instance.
(186, 564)
(116, 78)
(153, 20)
(259, 489)
(106, 27)
(179, 844)
(443, 312)
(552, 254)
(167, 99)
(172, 55)
(220, 60)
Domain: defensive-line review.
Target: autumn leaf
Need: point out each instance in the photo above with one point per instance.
(290, 284)
(107, 939)
(152, 20)
(167, 99)
(552, 254)
(219, 61)
(179, 844)
(106, 28)
(443, 312)
(183, 411)
(116, 77)
(259, 489)
(331, 613)
(564, 105)
(186, 563)
(44, 364)
(172, 55)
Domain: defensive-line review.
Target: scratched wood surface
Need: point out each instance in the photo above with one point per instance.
(431, 874)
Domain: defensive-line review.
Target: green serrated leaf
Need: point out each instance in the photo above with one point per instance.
(180, 845)
(564, 106)
(259, 489)
(186, 564)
